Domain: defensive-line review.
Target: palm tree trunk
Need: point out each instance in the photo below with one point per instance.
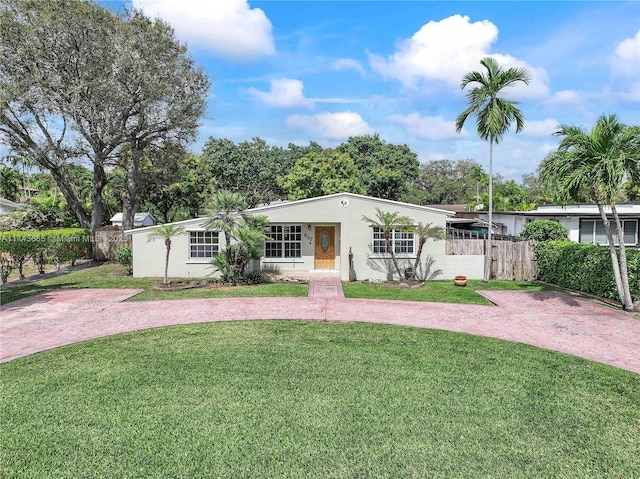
(417, 263)
(387, 240)
(166, 264)
(612, 250)
(627, 302)
(488, 254)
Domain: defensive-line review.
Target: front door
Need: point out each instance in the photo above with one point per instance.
(325, 247)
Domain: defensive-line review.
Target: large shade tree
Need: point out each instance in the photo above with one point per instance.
(596, 164)
(78, 83)
(494, 115)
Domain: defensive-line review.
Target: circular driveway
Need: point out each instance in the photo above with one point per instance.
(550, 320)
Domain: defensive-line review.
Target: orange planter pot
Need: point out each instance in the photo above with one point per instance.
(460, 280)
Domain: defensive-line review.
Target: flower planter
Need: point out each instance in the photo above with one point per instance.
(460, 280)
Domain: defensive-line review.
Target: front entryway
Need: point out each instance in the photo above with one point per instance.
(325, 257)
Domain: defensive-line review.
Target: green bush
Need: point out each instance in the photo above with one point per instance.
(65, 244)
(124, 256)
(584, 267)
(544, 230)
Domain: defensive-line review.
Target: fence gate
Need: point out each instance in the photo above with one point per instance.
(510, 261)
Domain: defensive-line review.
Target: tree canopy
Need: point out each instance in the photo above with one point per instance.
(80, 83)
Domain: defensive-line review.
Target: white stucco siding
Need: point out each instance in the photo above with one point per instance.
(344, 212)
(149, 256)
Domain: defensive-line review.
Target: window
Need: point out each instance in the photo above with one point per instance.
(401, 241)
(592, 231)
(203, 244)
(283, 241)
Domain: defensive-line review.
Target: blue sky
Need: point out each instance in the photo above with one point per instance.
(299, 71)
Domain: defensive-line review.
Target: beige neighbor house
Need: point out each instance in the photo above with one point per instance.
(310, 235)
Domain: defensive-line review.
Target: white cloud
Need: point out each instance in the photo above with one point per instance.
(627, 55)
(332, 126)
(540, 127)
(229, 28)
(429, 127)
(349, 64)
(566, 97)
(443, 50)
(446, 50)
(285, 93)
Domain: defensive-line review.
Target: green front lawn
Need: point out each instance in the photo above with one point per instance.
(109, 275)
(437, 291)
(303, 399)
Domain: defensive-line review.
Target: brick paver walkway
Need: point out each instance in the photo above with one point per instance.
(550, 320)
(325, 285)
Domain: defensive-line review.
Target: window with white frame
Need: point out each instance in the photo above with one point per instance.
(402, 242)
(283, 241)
(592, 231)
(203, 244)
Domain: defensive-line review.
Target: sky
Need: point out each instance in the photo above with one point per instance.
(301, 71)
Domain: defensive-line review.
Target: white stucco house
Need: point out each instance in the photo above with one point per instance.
(314, 234)
(583, 221)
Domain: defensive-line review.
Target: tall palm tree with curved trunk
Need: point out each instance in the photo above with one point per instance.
(597, 164)
(166, 233)
(494, 115)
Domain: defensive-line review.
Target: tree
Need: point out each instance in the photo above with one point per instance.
(318, 174)
(447, 182)
(252, 168)
(9, 183)
(112, 80)
(166, 233)
(384, 170)
(494, 116)
(169, 95)
(424, 233)
(596, 164)
(389, 222)
(544, 230)
(226, 211)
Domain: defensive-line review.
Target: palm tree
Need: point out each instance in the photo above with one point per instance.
(596, 164)
(226, 212)
(388, 222)
(167, 233)
(425, 232)
(494, 116)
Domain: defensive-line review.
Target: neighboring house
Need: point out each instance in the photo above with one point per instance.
(583, 221)
(314, 234)
(140, 220)
(8, 206)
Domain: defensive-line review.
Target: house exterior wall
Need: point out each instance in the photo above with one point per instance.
(343, 211)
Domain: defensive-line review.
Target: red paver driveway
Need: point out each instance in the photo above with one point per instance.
(550, 320)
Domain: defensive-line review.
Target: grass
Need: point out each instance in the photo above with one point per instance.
(109, 275)
(437, 291)
(302, 399)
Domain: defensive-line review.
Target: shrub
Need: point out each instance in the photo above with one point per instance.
(124, 256)
(544, 230)
(61, 245)
(584, 267)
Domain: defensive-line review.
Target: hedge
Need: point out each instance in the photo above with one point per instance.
(59, 245)
(584, 267)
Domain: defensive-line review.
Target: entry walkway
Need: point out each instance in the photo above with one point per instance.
(547, 319)
(325, 285)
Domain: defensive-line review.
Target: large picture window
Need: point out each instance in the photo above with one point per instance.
(283, 241)
(402, 242)
(203, 244)
(592, 231)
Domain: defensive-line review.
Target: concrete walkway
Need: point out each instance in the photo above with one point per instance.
(550, 320)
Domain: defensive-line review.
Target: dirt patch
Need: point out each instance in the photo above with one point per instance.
(31, 272)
